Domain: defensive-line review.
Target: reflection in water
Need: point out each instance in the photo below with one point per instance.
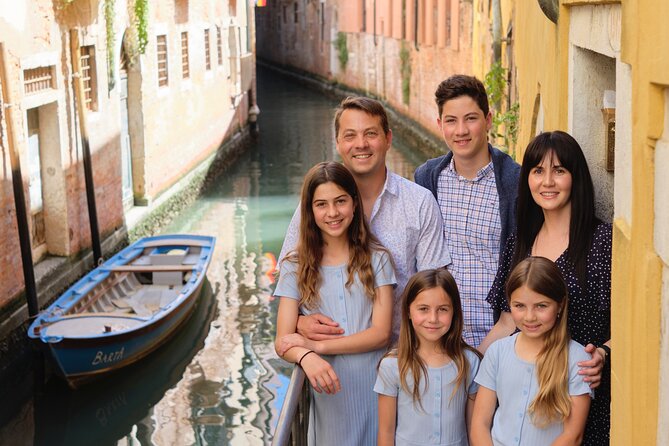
(105, 411)
(231, 386)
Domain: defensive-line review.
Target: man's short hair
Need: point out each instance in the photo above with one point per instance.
(462, 85)
(362, 103)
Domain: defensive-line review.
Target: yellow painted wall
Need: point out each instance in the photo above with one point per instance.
(637, 268)
(541, 50)
(541, 60)
(482, 34)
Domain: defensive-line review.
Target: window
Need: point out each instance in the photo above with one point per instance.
(88, 77)
(448, 23)
(161, 43)
(185, 68)
(295, 15)
(38, 79)
(322, 8)
(219, 45)
(207, 52)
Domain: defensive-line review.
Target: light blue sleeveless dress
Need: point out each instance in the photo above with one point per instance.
(441, 420)
(350, 417)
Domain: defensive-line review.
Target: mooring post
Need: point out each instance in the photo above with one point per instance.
(17, 183)
(88, 167)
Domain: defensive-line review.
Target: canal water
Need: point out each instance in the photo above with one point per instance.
(219, 381)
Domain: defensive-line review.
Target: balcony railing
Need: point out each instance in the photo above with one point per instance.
(291, 430)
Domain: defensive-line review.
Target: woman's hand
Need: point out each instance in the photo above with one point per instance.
(321, 374)
(294, 340)
(592, 370)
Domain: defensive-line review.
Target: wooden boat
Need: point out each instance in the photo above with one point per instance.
(125, 308)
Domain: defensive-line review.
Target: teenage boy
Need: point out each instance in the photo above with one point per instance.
(404, 216)
(475, 185)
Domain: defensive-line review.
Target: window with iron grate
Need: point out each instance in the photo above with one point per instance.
(89, 77)
(161, 54)
(185, 66)
(207, 50)
(38, 79)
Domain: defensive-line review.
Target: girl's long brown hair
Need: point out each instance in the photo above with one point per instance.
(309, 252)
(552, 402)
(452, 344)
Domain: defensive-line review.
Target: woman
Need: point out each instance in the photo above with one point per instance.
(556, 220)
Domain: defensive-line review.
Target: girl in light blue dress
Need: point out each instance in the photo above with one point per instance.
(426, 386)
(339, 270)
(533, 375)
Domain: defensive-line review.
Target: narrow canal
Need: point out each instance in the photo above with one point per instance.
(219, 382)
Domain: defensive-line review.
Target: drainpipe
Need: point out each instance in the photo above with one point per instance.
(19, 196)
(88, 167)
(374, 29)
(496, 31)
(415, 25)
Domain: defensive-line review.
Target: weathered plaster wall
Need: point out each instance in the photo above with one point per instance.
(172, 128)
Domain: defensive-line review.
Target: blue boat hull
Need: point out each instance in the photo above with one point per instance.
(81, 358)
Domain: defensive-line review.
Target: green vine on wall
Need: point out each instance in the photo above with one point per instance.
(405, 70)
(496, 84)
(141, 24)
(111, 41)
(342, 49)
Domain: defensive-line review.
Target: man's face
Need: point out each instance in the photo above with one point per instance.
(465, 128)
(361, 142)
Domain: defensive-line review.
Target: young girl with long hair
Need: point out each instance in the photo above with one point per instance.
(340, 270)
(556, 219)
(426, 385)
(533, 375)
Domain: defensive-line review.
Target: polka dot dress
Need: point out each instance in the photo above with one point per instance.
(589, 317)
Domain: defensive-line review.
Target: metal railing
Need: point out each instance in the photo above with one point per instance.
(291, 430)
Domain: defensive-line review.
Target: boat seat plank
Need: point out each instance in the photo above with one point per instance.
(191, 259)
(87, 324)
(149, 268)
(175, 242)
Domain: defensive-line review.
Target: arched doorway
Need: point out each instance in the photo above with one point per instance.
(126, 146)
(132, 126)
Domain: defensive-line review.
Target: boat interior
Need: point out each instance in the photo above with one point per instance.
(130, 294)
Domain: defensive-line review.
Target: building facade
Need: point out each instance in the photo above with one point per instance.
(164, 84)
(591, 74)
(397, 51)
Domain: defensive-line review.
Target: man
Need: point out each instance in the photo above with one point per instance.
(475, 185)
(402, 215)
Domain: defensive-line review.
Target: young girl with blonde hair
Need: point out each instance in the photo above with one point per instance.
(533, 375)
(339, 270)
(426, 386)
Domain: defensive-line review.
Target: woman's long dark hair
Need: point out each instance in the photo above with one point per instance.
(530, 217)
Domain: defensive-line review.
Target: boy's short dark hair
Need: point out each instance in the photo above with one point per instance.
(362, 103)
(462, 85)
